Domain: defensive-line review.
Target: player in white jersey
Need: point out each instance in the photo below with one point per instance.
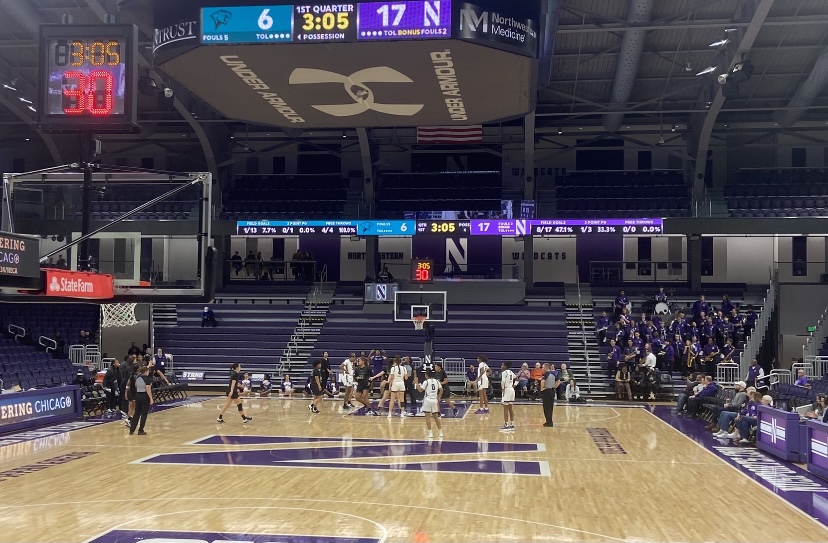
(483, 384)
(431, 389)
(347, 368)
(507, 385)
(396, 384)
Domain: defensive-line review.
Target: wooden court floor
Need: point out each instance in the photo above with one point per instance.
(601, 474)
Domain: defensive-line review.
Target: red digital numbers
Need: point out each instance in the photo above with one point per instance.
(422, 275)
(87, 93)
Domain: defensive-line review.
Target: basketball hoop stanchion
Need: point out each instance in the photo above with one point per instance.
(418, 321)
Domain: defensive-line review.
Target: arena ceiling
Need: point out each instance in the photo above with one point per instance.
(619, 66)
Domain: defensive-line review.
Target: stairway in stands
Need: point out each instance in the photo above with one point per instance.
(307, 329)
(583, 345)
(252, 330)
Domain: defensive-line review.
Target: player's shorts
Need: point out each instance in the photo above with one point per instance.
(235, 395)
(508, 395)
(484, 382)
(288, 390)
(363, 387)
(430, 405)
(315, 390)
(347, 380)
(398, 386)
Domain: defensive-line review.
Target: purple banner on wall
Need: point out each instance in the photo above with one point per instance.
(597, 249)
(325, 252)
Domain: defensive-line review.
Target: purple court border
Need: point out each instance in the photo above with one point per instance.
(810, 495)
(136, 536)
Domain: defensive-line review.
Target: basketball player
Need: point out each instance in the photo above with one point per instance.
(347, 368)
(364, 380)
(483, 385)
(233, 389)
(326, 374)
(441, 375)
(129, 395)
(507, 385)
(431, 389)
(396, 384)
(385, 385)
(316, 386)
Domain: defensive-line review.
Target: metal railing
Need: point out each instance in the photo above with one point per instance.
(816, 339)
(819, 365)
(17, 331)
(754, 341)
(47, 342)
(583, 332)
(272, 270)
(83, 355)
(645, 272)
(727, 373)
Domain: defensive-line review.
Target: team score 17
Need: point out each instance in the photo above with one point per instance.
(326, 21)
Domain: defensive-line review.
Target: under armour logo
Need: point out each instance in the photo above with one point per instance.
(355, 86)
(220, 17)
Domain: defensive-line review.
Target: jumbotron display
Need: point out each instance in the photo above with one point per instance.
(87, 75)
(475, 227)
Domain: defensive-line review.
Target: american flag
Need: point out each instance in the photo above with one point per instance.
(450, 134)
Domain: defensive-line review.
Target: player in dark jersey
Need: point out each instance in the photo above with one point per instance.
(364, 380)
(316, 386)
(441, 375)
(233, 389)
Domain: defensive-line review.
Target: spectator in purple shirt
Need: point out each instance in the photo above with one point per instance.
(613, 356)
(750, 319)
(801, 379)
(668, 353)
(710, 389)
(601, 326)
(727, 305)
(620, 304)
(710, 353)
(727, 352)
(756, 375)
(700, 307)
(748, 422)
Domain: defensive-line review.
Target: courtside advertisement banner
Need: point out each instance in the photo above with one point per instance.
(76, 284)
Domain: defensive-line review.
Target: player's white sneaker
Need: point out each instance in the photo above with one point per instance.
(440, 433)
(429, 435)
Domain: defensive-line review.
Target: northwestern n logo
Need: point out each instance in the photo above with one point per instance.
(457, 254)
(356, 88)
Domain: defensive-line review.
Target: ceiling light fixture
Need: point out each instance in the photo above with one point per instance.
(720, 43)
(708, 70)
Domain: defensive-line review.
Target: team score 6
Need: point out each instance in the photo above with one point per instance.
(326, 21)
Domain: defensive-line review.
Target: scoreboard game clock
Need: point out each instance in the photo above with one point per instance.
(324, 23)
(87, 77)
(422, 270)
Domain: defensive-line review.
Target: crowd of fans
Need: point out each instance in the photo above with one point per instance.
(693, 340)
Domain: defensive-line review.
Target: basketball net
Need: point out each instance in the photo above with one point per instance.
(418, 322)
(118, 315)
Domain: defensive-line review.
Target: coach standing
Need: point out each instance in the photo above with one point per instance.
(143, 401)
(549, 384)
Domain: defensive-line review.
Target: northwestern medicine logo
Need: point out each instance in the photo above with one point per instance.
(355, 86)
(476, 20)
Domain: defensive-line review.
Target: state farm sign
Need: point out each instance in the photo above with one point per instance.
(75, 284)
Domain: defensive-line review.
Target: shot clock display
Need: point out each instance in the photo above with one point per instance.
(422, 271)
(87, 75)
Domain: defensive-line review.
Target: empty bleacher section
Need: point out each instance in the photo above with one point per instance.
(26, 367)
(35, 320)
(117, 200)
(501, 333)
(795, 192)
(252, 329)
(311, 196)
(400, 192)
(622, 194)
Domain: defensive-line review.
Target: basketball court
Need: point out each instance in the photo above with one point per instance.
(604, 473)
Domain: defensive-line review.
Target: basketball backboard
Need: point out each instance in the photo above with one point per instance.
(420, 303)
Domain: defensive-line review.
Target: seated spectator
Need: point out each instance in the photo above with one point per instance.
(565, 375)
(536, 376)
(726, 414)
(287, 386)
(602, 324)
(820, 409)
(573, 393)
(236, 262)
(801, 379)
(523, 377)
(622, 384)
(471, 381)
(709, 390)
(266, 387)
(747, 423)
(244, 386)
(695, 383)
(637, 383)
(208, 318)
